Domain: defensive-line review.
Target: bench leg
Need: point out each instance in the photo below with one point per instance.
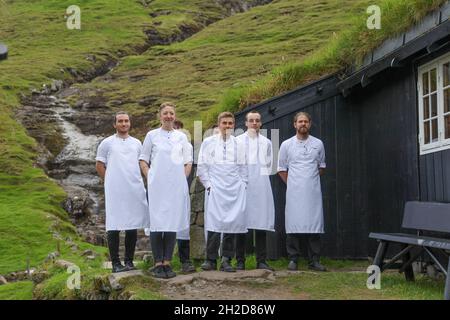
(409, 272)
(381, 253)
(447, 283)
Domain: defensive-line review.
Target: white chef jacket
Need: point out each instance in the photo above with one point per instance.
(168, 194)
(260, 209)
(302, 159)
(222, 167)
(125, 199)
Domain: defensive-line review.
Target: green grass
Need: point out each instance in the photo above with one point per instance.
(343, 50)
(230, 53)
(352, 286)
(17, 291)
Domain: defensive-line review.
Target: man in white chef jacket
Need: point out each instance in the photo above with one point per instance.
(117, 163)
(260, 210)
(223, 172)
(301, 161)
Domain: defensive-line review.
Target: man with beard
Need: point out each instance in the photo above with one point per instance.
(125, 200)
(301, 161)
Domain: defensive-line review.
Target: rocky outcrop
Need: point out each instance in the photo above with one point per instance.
(197, 232)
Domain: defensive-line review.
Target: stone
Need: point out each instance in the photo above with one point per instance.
(3, 280)
(200, 221)
(148, 257)
(139, 255)
(115, 278)
(87, 253)
(181, 280)
(91, 257)
(197, 202)
(197, 242)
(40, 276)
(64, 264)
(196, 186)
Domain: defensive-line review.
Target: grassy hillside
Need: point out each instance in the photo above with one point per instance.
(41, 49)
(230, 53)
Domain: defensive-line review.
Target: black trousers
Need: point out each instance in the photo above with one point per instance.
(114, 241)
(163, 244)
(260, 245)
(184, 250)
(293, 244)
(213, 245)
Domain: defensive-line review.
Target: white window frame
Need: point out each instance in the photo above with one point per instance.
(441, 143)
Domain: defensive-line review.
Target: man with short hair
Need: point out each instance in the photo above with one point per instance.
(260, 210)
(301, 162)
(117, 163)
(224, 174)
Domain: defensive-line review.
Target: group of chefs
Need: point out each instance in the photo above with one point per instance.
(235, 172)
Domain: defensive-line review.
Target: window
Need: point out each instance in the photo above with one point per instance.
(434, 105)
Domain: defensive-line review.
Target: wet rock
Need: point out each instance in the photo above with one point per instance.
(78, 202)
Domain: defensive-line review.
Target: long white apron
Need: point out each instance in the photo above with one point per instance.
(304, 209)
(260, 210)
(168, 192)
(226, 200)
(125, 198)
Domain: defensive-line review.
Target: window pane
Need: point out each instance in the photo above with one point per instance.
(426, 87)
(447, 127)
(433, 80)
(446, 74)
(447, 100)
(426, 132)
(434, 130)
(426, 108)
(434, 105)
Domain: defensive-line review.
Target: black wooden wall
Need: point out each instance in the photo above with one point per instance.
(370, 140)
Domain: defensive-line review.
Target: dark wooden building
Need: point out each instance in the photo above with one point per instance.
(386, 130)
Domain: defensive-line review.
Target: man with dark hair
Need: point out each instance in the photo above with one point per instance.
(301, 161)
(117, 163)
(224, 174)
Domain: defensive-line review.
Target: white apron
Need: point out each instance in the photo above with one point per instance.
(125, 199)
(168, 192)
(304, 210)
(260, 210)
(226, 200)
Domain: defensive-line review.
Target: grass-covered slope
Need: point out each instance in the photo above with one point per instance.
(230, 53)
(41, 49)
(347, 49)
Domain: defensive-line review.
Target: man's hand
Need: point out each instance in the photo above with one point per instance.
(144, 168)
(101, 169)
(283, 175)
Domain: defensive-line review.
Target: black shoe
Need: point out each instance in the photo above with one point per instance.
(292, 266)
(158, 272)
(130, 265)
(316, 266)
(118, 267)
(240, 265)
(187, 267)
(264, 265)
(209, 265)
(169, 272)
(226, 266)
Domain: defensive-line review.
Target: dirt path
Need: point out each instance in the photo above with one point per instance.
(242, 285)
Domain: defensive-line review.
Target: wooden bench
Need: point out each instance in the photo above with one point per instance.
(420, 216)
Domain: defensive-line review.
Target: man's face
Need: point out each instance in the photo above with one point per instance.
(253, 122)
(122, 124)
(302, 125)
(226, 126)
(167, 116)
